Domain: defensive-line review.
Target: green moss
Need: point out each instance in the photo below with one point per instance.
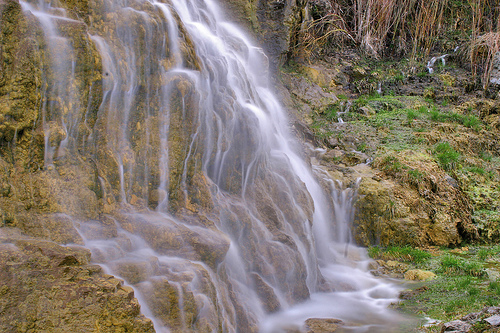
(488, 224)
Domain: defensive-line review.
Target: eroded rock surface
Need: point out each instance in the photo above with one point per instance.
(51, 288)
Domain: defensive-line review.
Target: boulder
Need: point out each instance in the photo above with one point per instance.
(457, 326)
(419, 275)
(493, 320)
(319, 325)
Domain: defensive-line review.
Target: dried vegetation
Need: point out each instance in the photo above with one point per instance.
(404, 28)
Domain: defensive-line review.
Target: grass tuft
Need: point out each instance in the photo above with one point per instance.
(454, 265)
(446, 155)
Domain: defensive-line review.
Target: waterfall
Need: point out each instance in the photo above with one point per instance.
(206, 206)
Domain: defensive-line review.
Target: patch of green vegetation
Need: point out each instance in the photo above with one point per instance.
(461, 287)
(485, 253)
(488, 224)
(415, 175)
(331, 112)
(447, 297)
(484, 195)
(374, 252)
(321, 130)
(453, 265)
(436, 115)
(379, 103)
(486, 156)
(352, 116)
(446, 155)
(405, 253)
(476, 169)
(362, 147)
(422, 74)
(412, 115)
(494, 286)
(391, 164)
(469, 121)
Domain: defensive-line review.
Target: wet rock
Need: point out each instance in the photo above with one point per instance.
(274, 23)
(309, 93)
(452, 182)
(409, 294)
(47, 287)
(471, 317)
(492, 310)
(319, 325)
(493, 274)
(266, 294)
(495, 69)
(390, 268)
(327, 77)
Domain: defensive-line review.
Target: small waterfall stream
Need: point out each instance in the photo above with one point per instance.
(207, 207)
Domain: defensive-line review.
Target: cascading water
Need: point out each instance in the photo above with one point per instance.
(206, 207)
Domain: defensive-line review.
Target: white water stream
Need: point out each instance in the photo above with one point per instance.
(282, 243)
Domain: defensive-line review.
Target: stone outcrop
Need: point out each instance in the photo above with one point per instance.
(486, 320)
(274, 24)
(401, 209)
(419, 275)
(50, 288)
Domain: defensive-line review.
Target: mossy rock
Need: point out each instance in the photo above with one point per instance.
(48, 287)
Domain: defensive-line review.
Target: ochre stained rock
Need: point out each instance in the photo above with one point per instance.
(51, 288)
(319, 325)
(401, 208)
(419, 275)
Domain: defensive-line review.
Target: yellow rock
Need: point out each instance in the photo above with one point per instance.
(419, 275)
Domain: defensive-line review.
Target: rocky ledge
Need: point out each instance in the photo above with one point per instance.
(51, 288)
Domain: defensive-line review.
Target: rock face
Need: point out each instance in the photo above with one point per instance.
(274, 23)
(118, 134)
(394, 212)
(394, 208)
(51, 288)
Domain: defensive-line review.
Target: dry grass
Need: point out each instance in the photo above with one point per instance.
(403, 27)
(481, 52)
(316, 34)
